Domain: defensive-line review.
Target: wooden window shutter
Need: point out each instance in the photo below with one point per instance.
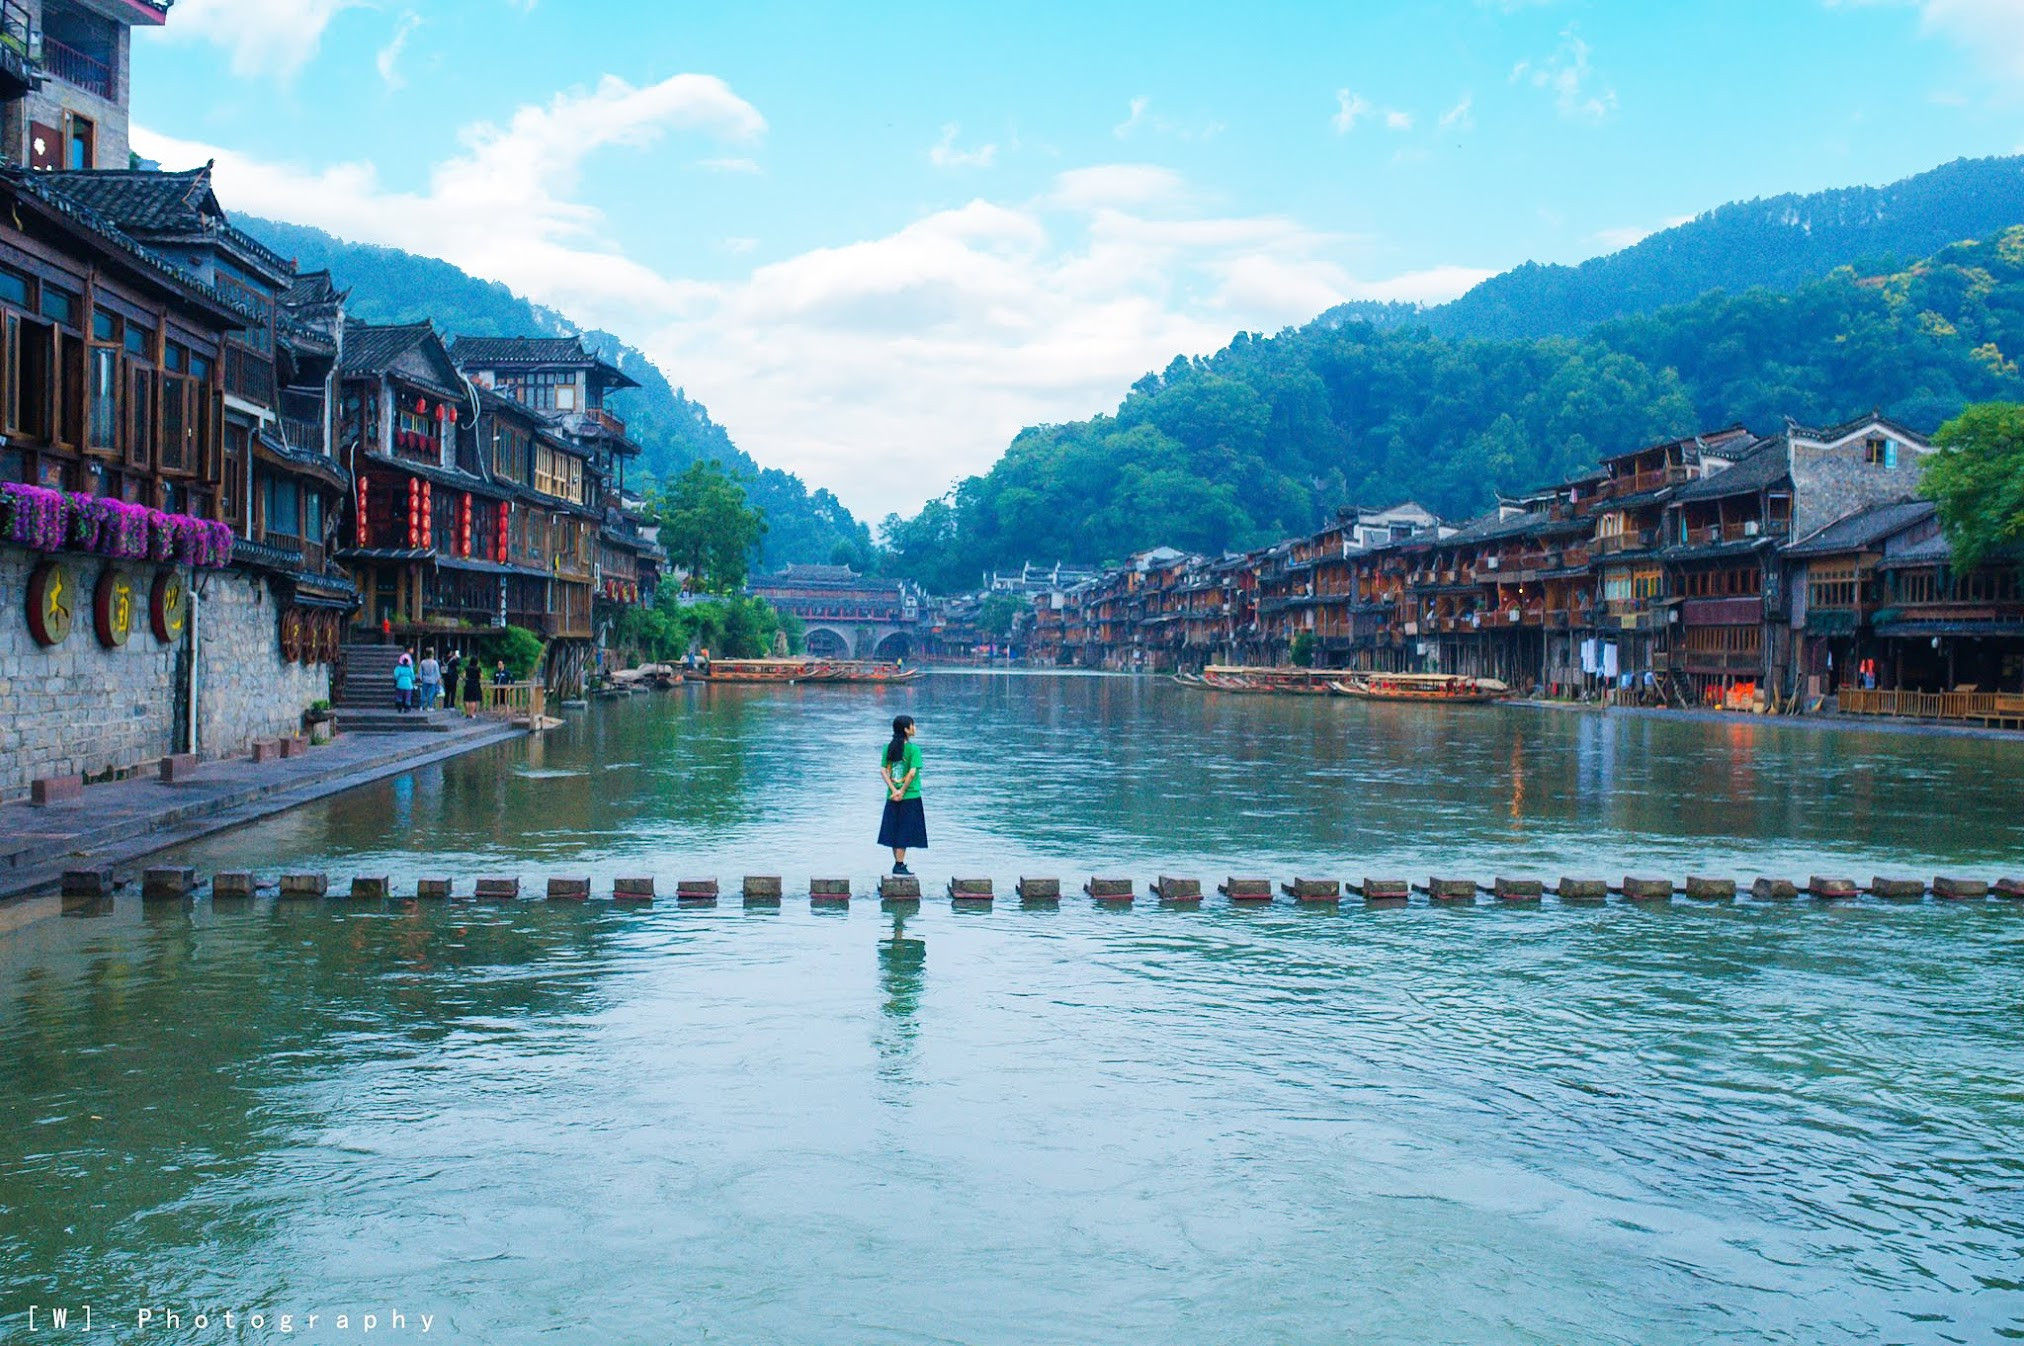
(45, 146)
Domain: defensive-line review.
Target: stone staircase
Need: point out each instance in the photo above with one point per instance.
(365, 704)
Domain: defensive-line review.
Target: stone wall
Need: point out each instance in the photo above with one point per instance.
(245, 689)
(77, 709)
(1832, 481)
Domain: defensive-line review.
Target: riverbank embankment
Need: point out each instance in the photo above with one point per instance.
(123, 821)
(1865, 724)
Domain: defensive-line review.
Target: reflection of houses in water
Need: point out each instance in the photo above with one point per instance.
(847, 615)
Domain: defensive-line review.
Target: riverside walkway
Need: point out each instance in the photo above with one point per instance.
(121, 821)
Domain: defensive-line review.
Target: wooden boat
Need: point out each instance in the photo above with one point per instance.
(861, 672)
(762, 670)
(1276, 681)
(1439, 688)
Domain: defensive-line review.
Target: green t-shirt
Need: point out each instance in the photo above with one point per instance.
(910, 760)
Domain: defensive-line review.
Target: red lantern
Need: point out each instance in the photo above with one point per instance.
(464, 525)
(414, 512)
(421, 406)
(499, 542)
(364, 530)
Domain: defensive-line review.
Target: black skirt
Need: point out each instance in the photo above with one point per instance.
(905, 826)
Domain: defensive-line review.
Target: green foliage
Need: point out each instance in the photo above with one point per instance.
(1302, 649)
(708, 527)
(1779, 243)
(998, 613)
(1978, 481)
(389, 286)
(729, 628)
(1264, 439)
(519, 647)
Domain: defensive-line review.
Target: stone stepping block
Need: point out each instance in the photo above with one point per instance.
(434, 890)
(1314, 892)
(1961, 890)
(1517, 890)
(295, 746)
(178, 768)
(829, 892)
(1647, 890)
(899, 888)
(1175, 892)
(168, 884)
(696, 892)
(1451, 890)
(971, 892)
(1118, 892)
(305, 885)
(1832, 889)
(266, 750)
(2010, 887)
(236, 886)
(761, 890)
(497, 890)
(568, 890)
(633, 892)
(1582, 890)
(1246, 890)
(1774, 890)
(371, 889)
(87, 883)
(1039, 892)
(1710, 890)
(1385, 892)
(1897, 890)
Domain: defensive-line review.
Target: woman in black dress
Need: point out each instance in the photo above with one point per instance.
(905, 826)
(474, 687)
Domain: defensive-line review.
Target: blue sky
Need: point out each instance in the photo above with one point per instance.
(876, 241)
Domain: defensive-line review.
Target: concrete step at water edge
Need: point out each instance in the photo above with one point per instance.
(351, 720)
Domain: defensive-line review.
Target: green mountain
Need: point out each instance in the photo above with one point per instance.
(1779, 242)
(1262, 439)
(388, 285)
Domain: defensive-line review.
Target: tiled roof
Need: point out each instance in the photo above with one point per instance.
(1933, 549)
(372, 349)
(1864, 529)
(152, 202)
(1766, 462)
(108, 231)
(520, 351)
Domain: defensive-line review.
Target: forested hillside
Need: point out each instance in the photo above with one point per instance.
(1778, 243)
(1262, 439)
(388, 285)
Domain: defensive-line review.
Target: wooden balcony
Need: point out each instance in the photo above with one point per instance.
(1638, 483)
(72, 66)
(1615, 544)
(1726, 532)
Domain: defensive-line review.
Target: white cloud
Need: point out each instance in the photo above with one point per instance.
(1616, 240)
(265, 37)
(1436, 285)
(389, 57)
(1351, 108)
(1142, 118)
(883, 368)
(1567, 75)
(1993, 30)
(944, 154)
(1134, 120)
(1462, 116)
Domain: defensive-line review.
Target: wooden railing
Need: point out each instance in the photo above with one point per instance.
(515, 700)
(1930, 705)
(1608, 544)
(75, 67)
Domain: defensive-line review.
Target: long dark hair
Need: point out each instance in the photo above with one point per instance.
(896, 749)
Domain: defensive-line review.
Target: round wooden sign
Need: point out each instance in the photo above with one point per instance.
(169, 607)
(52, 603)
(112, 608)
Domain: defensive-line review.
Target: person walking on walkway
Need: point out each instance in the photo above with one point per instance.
(474, 686)
(404, 683)
(905, 826)
(499, 681)
(432, 682)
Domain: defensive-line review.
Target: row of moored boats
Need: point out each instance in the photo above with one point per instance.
(1438, 688)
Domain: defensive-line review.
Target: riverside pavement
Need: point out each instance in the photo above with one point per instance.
(123, 821)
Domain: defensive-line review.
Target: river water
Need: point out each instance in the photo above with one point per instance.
(542, 1123)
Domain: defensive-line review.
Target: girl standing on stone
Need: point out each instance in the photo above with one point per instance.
(905, 826)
